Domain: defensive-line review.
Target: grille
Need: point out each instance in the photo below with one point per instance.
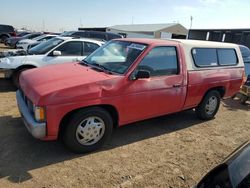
(27, 102)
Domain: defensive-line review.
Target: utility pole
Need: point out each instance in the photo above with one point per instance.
(80, 22)
(191, 21)
(132, 20)
(43, 25)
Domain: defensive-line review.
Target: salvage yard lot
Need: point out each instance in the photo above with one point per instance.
(170, 151)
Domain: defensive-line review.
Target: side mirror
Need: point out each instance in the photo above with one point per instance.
(57, 53)
(141, 74)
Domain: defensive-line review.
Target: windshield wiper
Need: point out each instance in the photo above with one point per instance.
(103, 68)
(84, 62)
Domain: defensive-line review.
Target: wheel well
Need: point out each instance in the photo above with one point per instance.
(4, 35)
(111, 109)
(220, 89)
(24, 67)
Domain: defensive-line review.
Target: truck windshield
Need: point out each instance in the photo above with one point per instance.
(44, 47)
(116, 56)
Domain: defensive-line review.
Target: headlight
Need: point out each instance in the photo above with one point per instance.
(39, 113)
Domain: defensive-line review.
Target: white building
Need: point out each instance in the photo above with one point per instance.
(166, 31)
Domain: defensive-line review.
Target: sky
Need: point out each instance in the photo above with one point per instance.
(61, 15)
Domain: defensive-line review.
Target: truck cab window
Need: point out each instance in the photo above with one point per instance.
(160, 61)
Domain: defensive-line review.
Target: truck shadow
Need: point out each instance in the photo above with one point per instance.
(234, 104)
(6, 85)
(20, 152)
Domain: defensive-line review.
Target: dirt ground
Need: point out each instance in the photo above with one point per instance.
(170, 151)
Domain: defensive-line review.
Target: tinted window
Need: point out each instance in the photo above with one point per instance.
(160, 61)
(113, 36)
(205, 57)
(98, 35)
(67, 33)
(227, 57)
(89, 47)
(6, 28)
(45, 47)
(45, 38)
(73, 48)
(80, 34)
(22, 34)
(31, 36)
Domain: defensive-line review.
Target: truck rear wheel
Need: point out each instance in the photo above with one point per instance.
(87, 130)
(209, 106)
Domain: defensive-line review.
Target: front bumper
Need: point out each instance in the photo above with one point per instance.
(38, 130)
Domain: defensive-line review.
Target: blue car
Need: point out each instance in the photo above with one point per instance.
(245, 51)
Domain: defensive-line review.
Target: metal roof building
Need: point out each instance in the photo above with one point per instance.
(168, 30)
(237, 36)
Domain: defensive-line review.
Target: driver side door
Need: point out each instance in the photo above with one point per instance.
(162, 93)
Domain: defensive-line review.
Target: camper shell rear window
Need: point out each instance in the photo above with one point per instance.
(212, 57)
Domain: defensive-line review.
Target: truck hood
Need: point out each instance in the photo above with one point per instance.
(65, 83)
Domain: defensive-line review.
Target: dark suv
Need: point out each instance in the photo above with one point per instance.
(92, 34)
(6, 31)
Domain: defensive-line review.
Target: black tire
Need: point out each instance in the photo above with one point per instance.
(69, 134)
(243, 99)
(16, 75)
(3, 38)
(201, 110)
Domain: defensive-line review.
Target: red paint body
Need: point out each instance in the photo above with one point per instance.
(67, 87)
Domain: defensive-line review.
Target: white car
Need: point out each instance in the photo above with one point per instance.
(23, 44)
(54, 51)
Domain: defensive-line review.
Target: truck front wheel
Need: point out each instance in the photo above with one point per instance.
(88, 129)
(209, 106)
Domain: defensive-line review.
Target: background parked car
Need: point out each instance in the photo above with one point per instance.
(24, 43)
(6, 31)
(19, 34)
(54, 51)
(245, 52)
(11, 42)
(92, 34)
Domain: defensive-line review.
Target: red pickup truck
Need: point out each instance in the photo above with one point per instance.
(124, 81)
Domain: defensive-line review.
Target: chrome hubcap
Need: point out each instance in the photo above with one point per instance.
(90, 130)
(211, 105)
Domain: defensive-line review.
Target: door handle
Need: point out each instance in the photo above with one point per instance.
(177, 85)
